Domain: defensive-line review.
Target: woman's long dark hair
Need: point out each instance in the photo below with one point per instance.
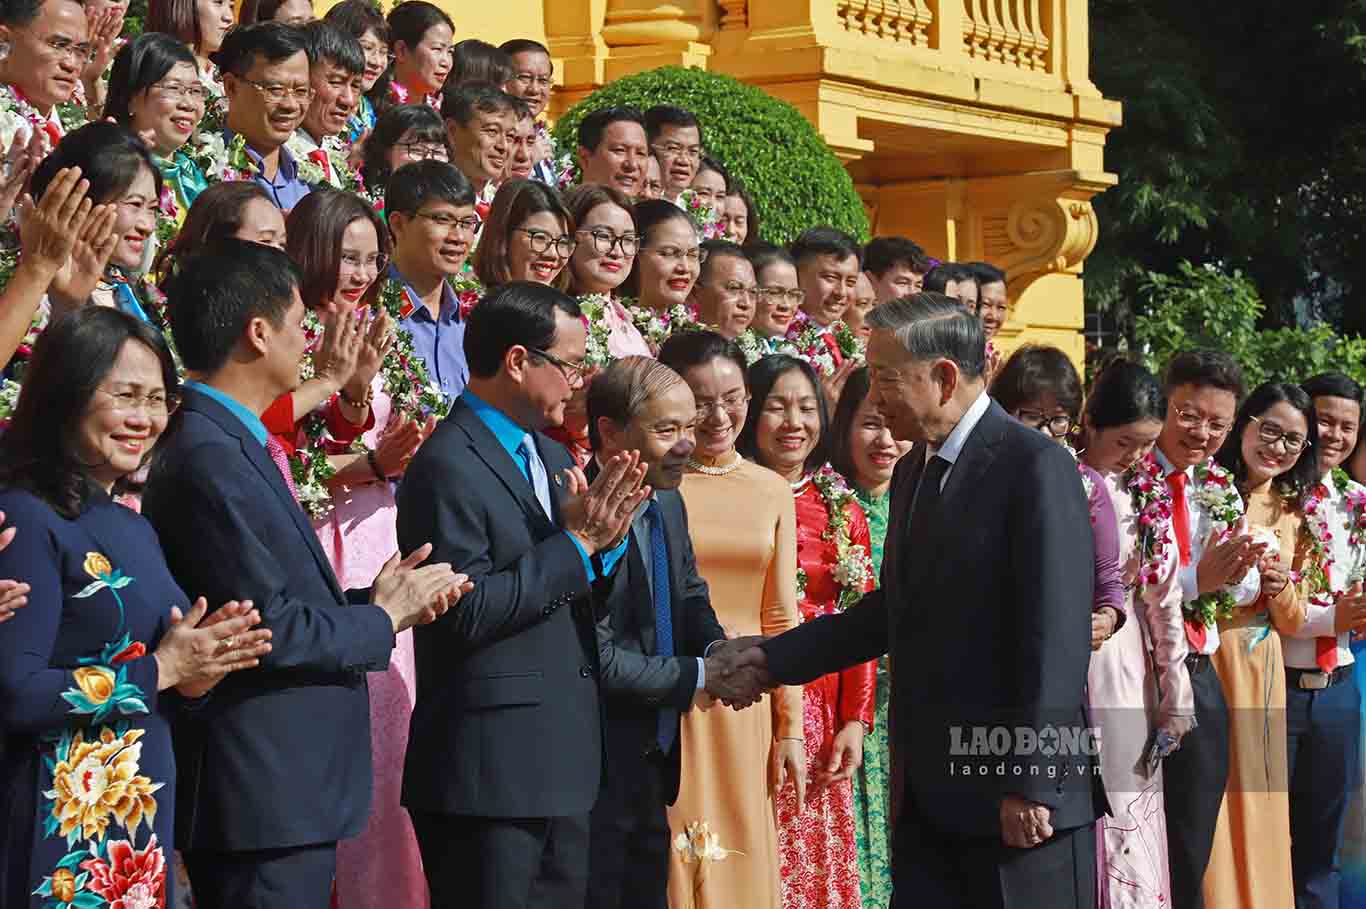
(38, 452)
(763, 375)
(1299, 479)
(426, 125)
(408, 22)
(841, 452)
(140, 64)
(215, 215)
(314, 230)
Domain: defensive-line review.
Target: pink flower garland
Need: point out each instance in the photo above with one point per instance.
(1153, 509)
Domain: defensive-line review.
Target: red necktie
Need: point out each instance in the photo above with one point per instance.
(277, 454)
(1181, 524)
(1326, 653)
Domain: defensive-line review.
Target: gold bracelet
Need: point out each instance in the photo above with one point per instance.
(359, 405)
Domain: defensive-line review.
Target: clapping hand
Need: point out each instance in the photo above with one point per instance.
(94, 244)
(334, 362)
(196, 653)
(48, 229)
(104, 26)
(1274, 575)
(1224, 563)
(414, 595)
(378, 336)
(20, 160)
(399, 442)
(598, 515)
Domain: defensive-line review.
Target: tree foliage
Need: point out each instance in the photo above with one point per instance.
(796, 181)
(1243, 145)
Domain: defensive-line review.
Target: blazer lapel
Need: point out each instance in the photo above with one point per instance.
(255, 453)
(963, 483)
(488, 449)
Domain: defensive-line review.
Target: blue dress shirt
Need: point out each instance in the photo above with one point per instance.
(286, 189)
(439, 342)
(509, 436)
(235, 407)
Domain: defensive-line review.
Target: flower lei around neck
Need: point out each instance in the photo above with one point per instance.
(1152, 501)
(219, 160)
(707, 215)
(654, 326)
(331, 150)
(1217, 493)
(1318, 534)
(595, 318)
(412, 394)
(853, 566)
(16, 111)
(749, 342)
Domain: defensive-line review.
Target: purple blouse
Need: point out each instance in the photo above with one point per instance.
(1109, 587)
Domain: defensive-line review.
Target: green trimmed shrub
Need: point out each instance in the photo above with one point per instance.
(796, 181)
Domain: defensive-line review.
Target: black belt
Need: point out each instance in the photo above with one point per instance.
(1316, 679)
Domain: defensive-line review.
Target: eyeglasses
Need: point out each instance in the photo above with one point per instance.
(673, 150)
(734, 288)
(1189, 419)
(175, 91)
(424, 151)
(275, 93)
(776, 295)
(695, 255)
(62, 48)
(1270, 434)
(526, 80)
(378, 262)
(1057, 426)
(730, 403)
(604, 241)
(652, 189)
(470, 225)
(541, 242)
(153, 404)
(572, 372)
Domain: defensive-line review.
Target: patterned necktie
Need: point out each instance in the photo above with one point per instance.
(664, 623)
(535, 471)
(277, 455)
(1196, 633)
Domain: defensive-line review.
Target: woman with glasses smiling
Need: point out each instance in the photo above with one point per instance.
(743, 523)
(666, 268)
(528, 236)
(1272, 453)
(402, 135)
(154, 91)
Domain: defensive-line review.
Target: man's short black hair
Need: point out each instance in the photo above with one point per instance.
(1205, 369)
(882, 254)
(594, 126)
(662, 115)
(523, 46)
(985, 273)
(327, 42)
(1333, 385)
(273, 41)
(415, 184)
(946, 273)
(217, 292)
(461, 102)
(825, 241)
(516, 313)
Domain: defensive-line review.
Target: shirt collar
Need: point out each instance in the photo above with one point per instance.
(504, 429)
(952, 446)
(288, 171)
(239, 410)
(450, 306)
(1168, 468)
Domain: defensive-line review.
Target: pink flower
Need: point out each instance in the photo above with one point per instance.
(130, 879)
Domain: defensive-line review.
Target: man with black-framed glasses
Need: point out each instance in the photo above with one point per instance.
(266, 78)
(46, 45)
(431, 216)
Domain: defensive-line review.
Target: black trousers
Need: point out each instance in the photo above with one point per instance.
(293, 878)
(932, 870)
(1324, 734)
(629, 865)
(503, 863)
(1194, 778)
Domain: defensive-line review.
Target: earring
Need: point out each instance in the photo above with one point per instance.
(4, 50)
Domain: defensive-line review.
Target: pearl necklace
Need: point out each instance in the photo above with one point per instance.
(719, 470)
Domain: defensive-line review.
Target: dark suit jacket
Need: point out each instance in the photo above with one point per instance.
(277, 756)
(989, 628)
(508, 719)
(635, 679)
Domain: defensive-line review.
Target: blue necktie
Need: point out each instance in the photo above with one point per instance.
(535, 471)
(664, 623)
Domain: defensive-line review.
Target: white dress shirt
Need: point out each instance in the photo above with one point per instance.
(952, 445)
(1202, 524)
(1348, 562)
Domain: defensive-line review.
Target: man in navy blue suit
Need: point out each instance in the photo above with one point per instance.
(275, 765)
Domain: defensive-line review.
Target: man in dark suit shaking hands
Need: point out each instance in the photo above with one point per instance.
(659, 644)
(505, 755)
(275, 766)
(985, 606)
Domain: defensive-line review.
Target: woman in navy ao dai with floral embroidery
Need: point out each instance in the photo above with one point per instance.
(88, 774)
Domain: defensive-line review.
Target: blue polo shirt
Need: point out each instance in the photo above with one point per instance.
(439, 342)
(250, 420)
(286, 189)
(509, 436)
